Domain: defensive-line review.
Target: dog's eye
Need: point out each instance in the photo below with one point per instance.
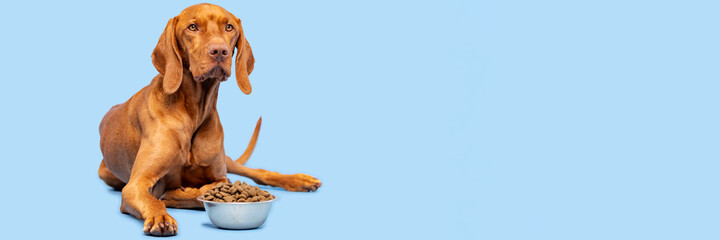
(192, 27)
(229, 27)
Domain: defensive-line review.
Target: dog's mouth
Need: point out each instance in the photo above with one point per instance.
(217, 72)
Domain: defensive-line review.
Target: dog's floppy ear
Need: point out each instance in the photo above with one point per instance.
(166, 59)
(244, 62)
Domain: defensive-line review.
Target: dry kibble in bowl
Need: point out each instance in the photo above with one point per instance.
(236, 192)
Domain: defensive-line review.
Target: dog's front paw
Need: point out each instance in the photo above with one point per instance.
(300, 183)
(160, 225)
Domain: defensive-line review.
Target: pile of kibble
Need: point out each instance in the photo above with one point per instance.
(237, 192)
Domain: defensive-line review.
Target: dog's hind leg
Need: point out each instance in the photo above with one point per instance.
(295, 182)
(292, 182)
(109, 178)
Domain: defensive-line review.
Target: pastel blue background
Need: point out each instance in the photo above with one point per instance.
(424, 120)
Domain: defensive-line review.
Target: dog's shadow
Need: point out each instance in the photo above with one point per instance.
(265, 187)
(114, 192)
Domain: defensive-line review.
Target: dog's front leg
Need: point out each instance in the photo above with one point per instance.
(187, 197)
(154, 159)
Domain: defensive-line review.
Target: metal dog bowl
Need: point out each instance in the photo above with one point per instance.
(237, 215)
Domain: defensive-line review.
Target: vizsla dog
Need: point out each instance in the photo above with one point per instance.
(164, 146)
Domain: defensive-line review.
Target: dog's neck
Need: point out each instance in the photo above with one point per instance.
(200, 97)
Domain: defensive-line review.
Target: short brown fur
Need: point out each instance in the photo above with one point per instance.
(164, 146)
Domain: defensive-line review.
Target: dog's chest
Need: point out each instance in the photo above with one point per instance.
(205, 161)
(200, 170)
(206, 145)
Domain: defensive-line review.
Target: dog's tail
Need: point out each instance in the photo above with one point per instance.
(251, 146)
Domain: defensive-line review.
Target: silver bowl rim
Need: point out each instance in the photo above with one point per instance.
(239, 203)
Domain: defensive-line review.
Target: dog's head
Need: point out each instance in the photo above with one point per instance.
(202, 40)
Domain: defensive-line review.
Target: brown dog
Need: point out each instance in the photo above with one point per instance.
(164, 146)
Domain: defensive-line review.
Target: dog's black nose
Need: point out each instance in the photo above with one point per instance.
(218, 51)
